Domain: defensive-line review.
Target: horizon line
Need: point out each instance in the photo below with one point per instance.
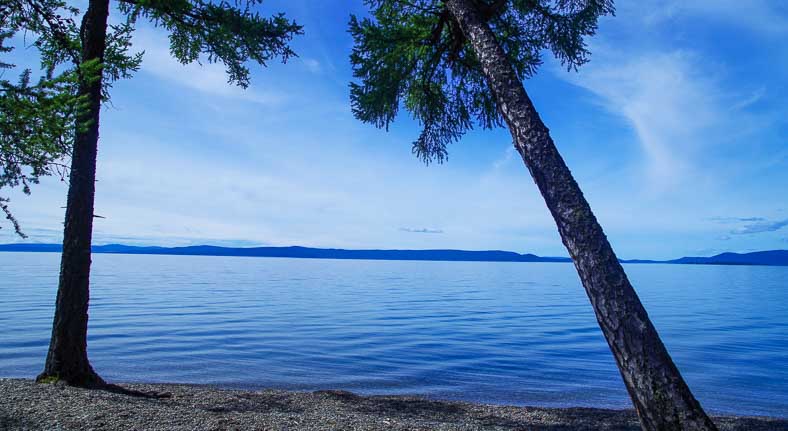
(378, 254)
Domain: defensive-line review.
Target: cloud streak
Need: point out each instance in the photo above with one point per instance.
(420, 230)
(737, 219)
(666, 99)
(685, 105)
(759, 16)
(208, 78)
(312, 65)
(760, 226)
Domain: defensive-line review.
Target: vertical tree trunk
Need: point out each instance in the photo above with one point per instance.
(660, 396)
(67, 359)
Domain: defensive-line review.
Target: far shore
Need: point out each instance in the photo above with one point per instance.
(25, 405)
(758, 258)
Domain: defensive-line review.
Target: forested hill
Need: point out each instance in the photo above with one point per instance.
(774, 257)
(304, 252)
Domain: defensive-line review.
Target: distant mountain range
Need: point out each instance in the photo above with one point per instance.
(774, 257)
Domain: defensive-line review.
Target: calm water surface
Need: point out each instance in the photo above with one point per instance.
(513, 333)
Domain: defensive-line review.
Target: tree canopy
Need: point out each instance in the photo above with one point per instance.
(38, 113)
(411, 53)
(37, 116)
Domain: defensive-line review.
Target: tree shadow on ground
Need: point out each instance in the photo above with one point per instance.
(414, 410)
(13, 423)
(546, 419)
(120, 390)
(254, 403)
(478, 416)
(240, 402)
(730, 423)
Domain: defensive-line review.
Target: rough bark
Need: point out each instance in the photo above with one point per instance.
(661, 398)
(67, 359)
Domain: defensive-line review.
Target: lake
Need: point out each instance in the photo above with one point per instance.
(505, 333)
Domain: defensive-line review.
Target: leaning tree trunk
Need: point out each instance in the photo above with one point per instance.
(67, 359)
(660, 396)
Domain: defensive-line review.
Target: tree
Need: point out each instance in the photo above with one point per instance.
(36, 115)
(95, 54)
(454, 64)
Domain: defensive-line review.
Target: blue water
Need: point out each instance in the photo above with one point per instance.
(510, 333)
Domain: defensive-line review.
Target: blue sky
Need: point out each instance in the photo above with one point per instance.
(677, 131)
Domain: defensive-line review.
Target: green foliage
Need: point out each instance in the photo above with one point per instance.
(226, 32)
(38, 120)
(57, 39)
(118, 62)
(36, 130)
(51, 25)
(411, 53)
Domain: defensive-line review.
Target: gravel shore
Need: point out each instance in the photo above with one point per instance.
(25, 405)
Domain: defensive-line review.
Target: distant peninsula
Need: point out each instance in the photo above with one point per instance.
(771, 258)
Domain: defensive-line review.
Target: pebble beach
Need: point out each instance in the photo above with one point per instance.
(26, 405)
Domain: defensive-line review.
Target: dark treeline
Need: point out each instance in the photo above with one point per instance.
(766, 258)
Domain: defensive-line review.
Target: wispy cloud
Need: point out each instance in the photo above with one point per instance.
(665, 97)
(685, 103)
(760, 227)
(736, 219)
(754, 97)
(420, 230)
(683, 112)
(504, 160)
(761, 16)
(208, 78)
(312, 65)
(749, 225)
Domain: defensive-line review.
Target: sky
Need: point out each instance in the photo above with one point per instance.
(676, 130)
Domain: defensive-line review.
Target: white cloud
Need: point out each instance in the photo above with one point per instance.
(208, 78)
(666, 98)
(504, 160)
(761, 226)
(681, 106)
(754, 97)
(313, 65)
(355, 197)
(761, 16)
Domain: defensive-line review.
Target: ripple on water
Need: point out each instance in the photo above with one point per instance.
(492, 332)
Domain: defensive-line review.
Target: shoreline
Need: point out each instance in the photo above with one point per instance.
(26, 405)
